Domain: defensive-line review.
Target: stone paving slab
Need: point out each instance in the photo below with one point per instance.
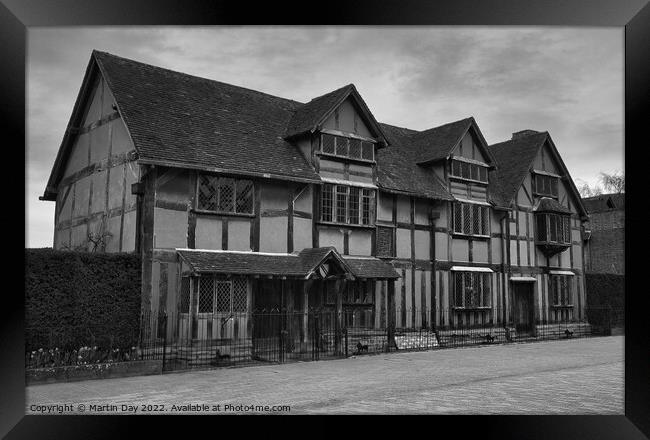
(580, 376)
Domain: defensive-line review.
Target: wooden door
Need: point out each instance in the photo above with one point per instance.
(524, 315)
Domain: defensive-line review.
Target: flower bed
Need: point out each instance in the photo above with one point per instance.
(56, 357)
(70, 373)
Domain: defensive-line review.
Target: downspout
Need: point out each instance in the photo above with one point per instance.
(433, 216)
(505, 262)
(585, 236)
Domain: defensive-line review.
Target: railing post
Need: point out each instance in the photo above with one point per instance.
(339, 285)
(164, 355)
(282, 344)
(345, 333)
(391, 315)
(609, 320)
(316, 338)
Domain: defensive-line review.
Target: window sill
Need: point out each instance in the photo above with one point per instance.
(346, 158)
(552, 243)
(345, 225)
(471, 309)
(536, 194)
(464, 179)
(468, 236)
(223, 214)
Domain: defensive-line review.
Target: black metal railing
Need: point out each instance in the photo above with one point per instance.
(206, 340)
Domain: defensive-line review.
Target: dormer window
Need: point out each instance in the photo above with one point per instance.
(545, 185)
(347, 147)
(461, 169)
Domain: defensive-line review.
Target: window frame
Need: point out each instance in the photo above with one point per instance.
(215, 281)
(362, 143)
(470, 166)
(236, 181)
(565, 228)
(554, 185)
(484, 220)
(485, 287)
(363, 197)
(556, 291)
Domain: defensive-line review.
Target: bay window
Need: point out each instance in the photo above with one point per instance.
(553, 228)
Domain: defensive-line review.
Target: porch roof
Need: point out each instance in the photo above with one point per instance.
(371, 268)
(297, 265)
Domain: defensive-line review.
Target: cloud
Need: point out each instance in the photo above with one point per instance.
(568, 81)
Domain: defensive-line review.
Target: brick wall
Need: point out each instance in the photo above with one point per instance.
(605, 252)
(607, 220)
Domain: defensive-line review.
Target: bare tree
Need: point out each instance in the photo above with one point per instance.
(588, 191)
(96, 240)
(614, 183)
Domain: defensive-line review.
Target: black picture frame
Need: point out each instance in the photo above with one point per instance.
(18, 15)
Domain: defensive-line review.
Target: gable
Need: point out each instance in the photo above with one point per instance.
(469, 148)
(347, 118)
(545, 160)
(91, 146)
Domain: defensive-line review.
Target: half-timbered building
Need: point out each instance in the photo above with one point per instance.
(238, 200)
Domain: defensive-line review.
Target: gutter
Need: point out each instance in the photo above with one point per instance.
(173, 164)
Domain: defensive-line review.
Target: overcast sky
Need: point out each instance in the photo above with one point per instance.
(568, 81)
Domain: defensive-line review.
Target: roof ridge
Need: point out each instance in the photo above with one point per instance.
(399, 128)
(183, 74)
(428, 129)
(448, 123)
(602, 195)
(331, 92)
(502, 143)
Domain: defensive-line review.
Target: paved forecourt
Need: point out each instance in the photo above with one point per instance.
(579, 376)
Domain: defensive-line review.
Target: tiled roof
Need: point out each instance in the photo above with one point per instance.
(398, 169)
(243, 263)
(194, 121)
(371, 268)
(308, 115)
(436, 143)
(547, 204)
(513, 158)
(290, 265)
(604, 202)
(187, 121)
(179, 118)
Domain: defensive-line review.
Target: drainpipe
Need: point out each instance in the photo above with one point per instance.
(505, 260)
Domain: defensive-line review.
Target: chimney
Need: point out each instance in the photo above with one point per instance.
(523, 133)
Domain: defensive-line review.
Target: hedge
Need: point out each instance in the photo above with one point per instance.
(604, 289)
(73, 299)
